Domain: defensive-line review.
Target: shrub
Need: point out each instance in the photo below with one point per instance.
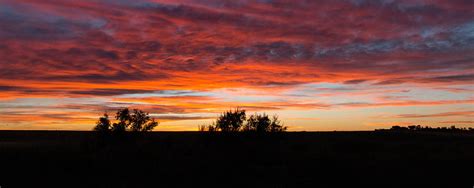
(236, 120)
(103, 125)
(231, 121)
(136, 121)
(208, 128)
(262, 123)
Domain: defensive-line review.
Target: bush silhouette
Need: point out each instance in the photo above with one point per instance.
(103, 125)
(123, 116)
(231, 121)
(236, 120)
(276, 125)
(141, 121)
(258, 123)
(262, 123)
(135, 121)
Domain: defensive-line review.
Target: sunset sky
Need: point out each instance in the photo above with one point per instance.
(320, 65)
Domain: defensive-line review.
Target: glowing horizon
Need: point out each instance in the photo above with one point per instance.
(319, 65)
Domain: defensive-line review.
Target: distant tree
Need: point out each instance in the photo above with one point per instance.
(231, 121)
(258, 123)
(398, 128)
(452, 128)
(123, 116)
(262, 123)
(119, 127)
(141, 121)
(276, 125)
(136, 121)
(251, 124)
(235, 121)
(103, 125)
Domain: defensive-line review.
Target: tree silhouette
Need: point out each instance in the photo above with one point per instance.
(235, 120)
(231, 121)
(136, 121)
(258, 123)
(103, 125)
(276, 125)
(262, 123)
(123, 116)
(141, 121)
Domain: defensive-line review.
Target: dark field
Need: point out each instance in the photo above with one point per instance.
(193, 159)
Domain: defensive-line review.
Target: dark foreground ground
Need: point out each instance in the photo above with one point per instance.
(192, 159)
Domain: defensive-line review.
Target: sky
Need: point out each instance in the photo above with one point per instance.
(318, 64)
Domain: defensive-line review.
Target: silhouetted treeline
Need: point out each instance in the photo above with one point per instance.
(428, 128)
(237, 121)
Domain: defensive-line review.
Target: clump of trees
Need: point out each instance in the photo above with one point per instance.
(128, 120)
(427, 128)
(237, 121)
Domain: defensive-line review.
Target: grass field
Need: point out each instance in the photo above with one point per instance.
(193, 159)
